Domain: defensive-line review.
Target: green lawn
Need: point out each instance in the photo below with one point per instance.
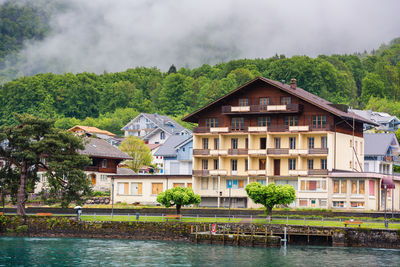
(132, 218)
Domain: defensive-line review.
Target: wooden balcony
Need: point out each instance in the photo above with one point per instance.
(298, 172)
(278, 128)
(201, 152)
(200, 172)
(318, 172)
(257, 129)
(91, 168)
(278, 151)
(318, 151)
(303, 128)
(262, 109)
(219, 152)
(240, 151)
(239, 128)
(211, 130)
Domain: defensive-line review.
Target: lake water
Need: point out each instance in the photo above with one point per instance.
(111, 252)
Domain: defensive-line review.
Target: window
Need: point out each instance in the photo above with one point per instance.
(162, 135)
(189, 185)
(237, 123)
(234, 143)
(339, 186)
(372, 188)
(216, 164)
(313, 185)
(323, 202)
(246, 143)
(264, 101)
(318, 121)
(277, 142)
(261, 164)
(216, 143)
(234, 164)
(357, 187)
(236, 184)
(354, 204)
(303, 202)
(215, 183)
(264, 121)
(310, 142)
(291, 121)
(339, 204)
(261, 181)
(243, 102)
(104, 163)
(292, 142)
(324, 142)
(211, 122)
(204, 183)
(324, 164)
(103, 178)
(292, 164)
(285, 100)
(204, 164)
(123, 188)
(178, 185)
(292, 183)
(351, 143)
(205, 143)
(310, 164)
(136, 188)
(263, 143)
(246, 164)
(156, 188)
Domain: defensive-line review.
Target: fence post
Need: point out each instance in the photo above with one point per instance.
(251, 218)
(94, 216)
(197, 217)
(233, 218)
(162, 217)
(304, 220)
(215, 217)
(128, 217)
(322, 221)
(287, 220)
(145, 219)
(340, 222)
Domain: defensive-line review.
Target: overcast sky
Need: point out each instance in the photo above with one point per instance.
(114, 35)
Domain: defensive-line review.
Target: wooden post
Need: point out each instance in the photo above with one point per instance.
(252, 238)
(266, 236)
(308, 235)
(204, 227)
(223, 237)
(237, 237)
(191, 229)
(196, 234)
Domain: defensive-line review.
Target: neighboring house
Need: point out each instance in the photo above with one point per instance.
(176, 153)
(93, 131)
(386, 121)
(381, 152)
(104, 161)
(157, 160)
(154, 128)
(267, 131)
(143, 189)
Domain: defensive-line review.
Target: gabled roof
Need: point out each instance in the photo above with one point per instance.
(92, 130)
(298, 92)
(96, 147)
(378, 117)
(153, 146)
(162, 121)
(377, 144)
(168, 149)
(125, 171)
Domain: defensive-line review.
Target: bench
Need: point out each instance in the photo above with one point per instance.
(175, 217)
(44, 214)
(352, 222)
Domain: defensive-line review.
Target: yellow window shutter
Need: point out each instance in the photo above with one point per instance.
(139, 188)
(126, 188)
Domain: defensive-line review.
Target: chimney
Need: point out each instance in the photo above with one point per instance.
(293, 83)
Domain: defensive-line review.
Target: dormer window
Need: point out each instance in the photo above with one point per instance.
(162, 135)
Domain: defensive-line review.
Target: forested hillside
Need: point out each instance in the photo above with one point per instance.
(109, 100)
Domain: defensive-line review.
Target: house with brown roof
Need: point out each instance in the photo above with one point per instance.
(268, 131)
(104, 162)
(89, 130)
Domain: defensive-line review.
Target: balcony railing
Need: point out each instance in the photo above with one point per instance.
(298, 172)
(318, 151)
(211, 130)
(91, 168)
(298, 151)
(240, 151)
(256, 172)
(219, 152)
(318, 172)
(255, 109)
(201, 152)
(278, 128)
(255, 152)
(278, 151)
(238, 128)
(201, 172)
(257, 128)
(218, 172)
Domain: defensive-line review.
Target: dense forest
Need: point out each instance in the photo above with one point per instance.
(109, 100)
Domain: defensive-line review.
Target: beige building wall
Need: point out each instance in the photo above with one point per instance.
(345, 158)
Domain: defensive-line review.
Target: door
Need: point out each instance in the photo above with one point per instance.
(261, 164)
(277, 167)
(93, 176)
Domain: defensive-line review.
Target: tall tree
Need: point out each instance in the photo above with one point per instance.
(270, 195)
(24, 146)
(138, 151)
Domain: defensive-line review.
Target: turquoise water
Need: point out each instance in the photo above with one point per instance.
(110, 252)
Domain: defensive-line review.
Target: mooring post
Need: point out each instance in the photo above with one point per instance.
(252, 237)
(196, 233)
(308, 235)
(223, 236)
(266, 236)
(237, 237)
(287, 220)
(191, 229)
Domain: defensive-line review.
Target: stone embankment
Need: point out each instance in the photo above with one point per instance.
(226, 233)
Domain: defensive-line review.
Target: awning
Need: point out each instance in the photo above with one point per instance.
(388, 182)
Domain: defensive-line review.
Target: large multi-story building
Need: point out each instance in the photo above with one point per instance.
(268, 131)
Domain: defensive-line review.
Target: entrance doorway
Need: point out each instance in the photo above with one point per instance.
(93, 178)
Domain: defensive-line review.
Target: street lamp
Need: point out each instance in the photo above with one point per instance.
(112, 198)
